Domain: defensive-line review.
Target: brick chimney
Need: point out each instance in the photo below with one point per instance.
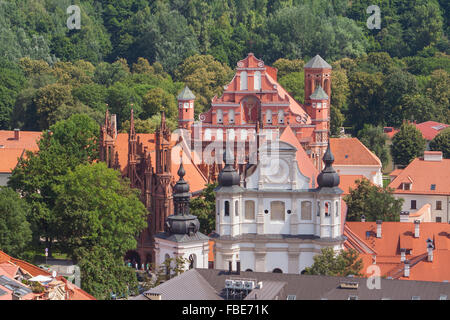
(432, 156)
(16, 134)
(416, 228)
(379, 222)
(402, 254)
(406, 270)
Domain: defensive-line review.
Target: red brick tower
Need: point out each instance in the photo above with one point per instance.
(317, 72)
(186, 109)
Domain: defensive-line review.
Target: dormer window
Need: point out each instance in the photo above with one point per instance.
(406, 186)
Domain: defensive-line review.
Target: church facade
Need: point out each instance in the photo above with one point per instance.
(275, 222)
(254, 100)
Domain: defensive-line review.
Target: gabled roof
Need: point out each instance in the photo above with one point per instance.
(186, 94)
(349, 181)
(350, 151)
(431, 129)
(11, 149)
(305, 165)
(397, 235)
(423, 174)
(317, 63)
(319, 94)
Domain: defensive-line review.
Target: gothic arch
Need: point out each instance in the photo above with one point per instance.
(249, 108)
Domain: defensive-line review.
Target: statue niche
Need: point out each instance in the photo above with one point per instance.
(250, 106)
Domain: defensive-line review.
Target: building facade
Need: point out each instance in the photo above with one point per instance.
(254, 100)
(274, 221)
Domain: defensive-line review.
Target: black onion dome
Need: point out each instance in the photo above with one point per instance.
(185, 224)
(328, 178)
(181, 186)
(228, 176)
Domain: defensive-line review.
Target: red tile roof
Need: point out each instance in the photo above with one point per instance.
(11, 149)
(305, 164)
(194, 176)
(422, 174)
(430, 129)
(351, 152)
(349, 181)
(396, 235)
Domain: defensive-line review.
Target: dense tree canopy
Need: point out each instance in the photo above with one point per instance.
(407, 144)
(331, 263)
(372, 202)
(442, 143)
(204, 207)
(15, 232)
(375, 139)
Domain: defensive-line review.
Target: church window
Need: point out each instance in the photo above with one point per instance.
(280, 116)
(231, 116)
(236, 208)
(318, 208)
(249, 210)
(257, 78)
(243, 80)
(227, 208)
(218, 207)
(327, 209)
(277, 211)
(219, 116)
(208, 134)
(306, 213)
(269, 116)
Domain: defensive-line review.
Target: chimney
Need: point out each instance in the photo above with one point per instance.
(363, 218)
(406, 273)
(402, 254)
(416, 228)
(238, 267)
(16, 134)
(432, 156)
(430, 252)
(379, 222)
(230, 266)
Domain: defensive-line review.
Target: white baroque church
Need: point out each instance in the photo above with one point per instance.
(273, 221)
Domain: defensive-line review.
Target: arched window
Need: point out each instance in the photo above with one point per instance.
(280, 116)
(236, 208)
(318, 208)
(336, 208)
(269, 116)
(327, 209)
(306, 213)
(249, 210)
(230, 135)
(257, 80)
(219, 134)
(218, 207)
(277, 211)
(192, 261)
(219, 116)
(248, 270)
(277, 270)
(227, 208)
(231, 116)
(243, 80)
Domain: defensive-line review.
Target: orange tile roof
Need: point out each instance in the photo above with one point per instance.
(430, 129)
(11, 149)
(395, 173)
(351, 152)
(305, 164)
(396, 235)
(349, 181)
(211, 251)
(194, 176)
(423, 174)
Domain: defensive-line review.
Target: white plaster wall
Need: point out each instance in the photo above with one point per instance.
(422, 200)
(366, 171)
(277, 260)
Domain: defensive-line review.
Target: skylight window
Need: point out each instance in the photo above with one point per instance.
(439, 127)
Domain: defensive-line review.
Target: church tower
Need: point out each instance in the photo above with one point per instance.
(317, 73)
(185, 109)
(162, 189)
(181, 237)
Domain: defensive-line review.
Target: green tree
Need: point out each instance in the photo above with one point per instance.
(375, 140)
(204, 207)
(442, 143)
(407, 144)
(148, 125)
(69, 143)
(103, 274)
(15, 232)
(374, 202)
(294, 83)
(12, 81)
(286, 66)
(96, 207)
(205, 77)
(156, 100)
(331, 263)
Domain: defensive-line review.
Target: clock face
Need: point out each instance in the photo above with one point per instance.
(275, 170)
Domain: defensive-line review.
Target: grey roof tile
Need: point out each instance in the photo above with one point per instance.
(317, 63)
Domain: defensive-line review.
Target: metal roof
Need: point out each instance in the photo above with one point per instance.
(317, 63)
(186, 94)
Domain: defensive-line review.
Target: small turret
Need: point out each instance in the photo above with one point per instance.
(186, 108)
(328, 178)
